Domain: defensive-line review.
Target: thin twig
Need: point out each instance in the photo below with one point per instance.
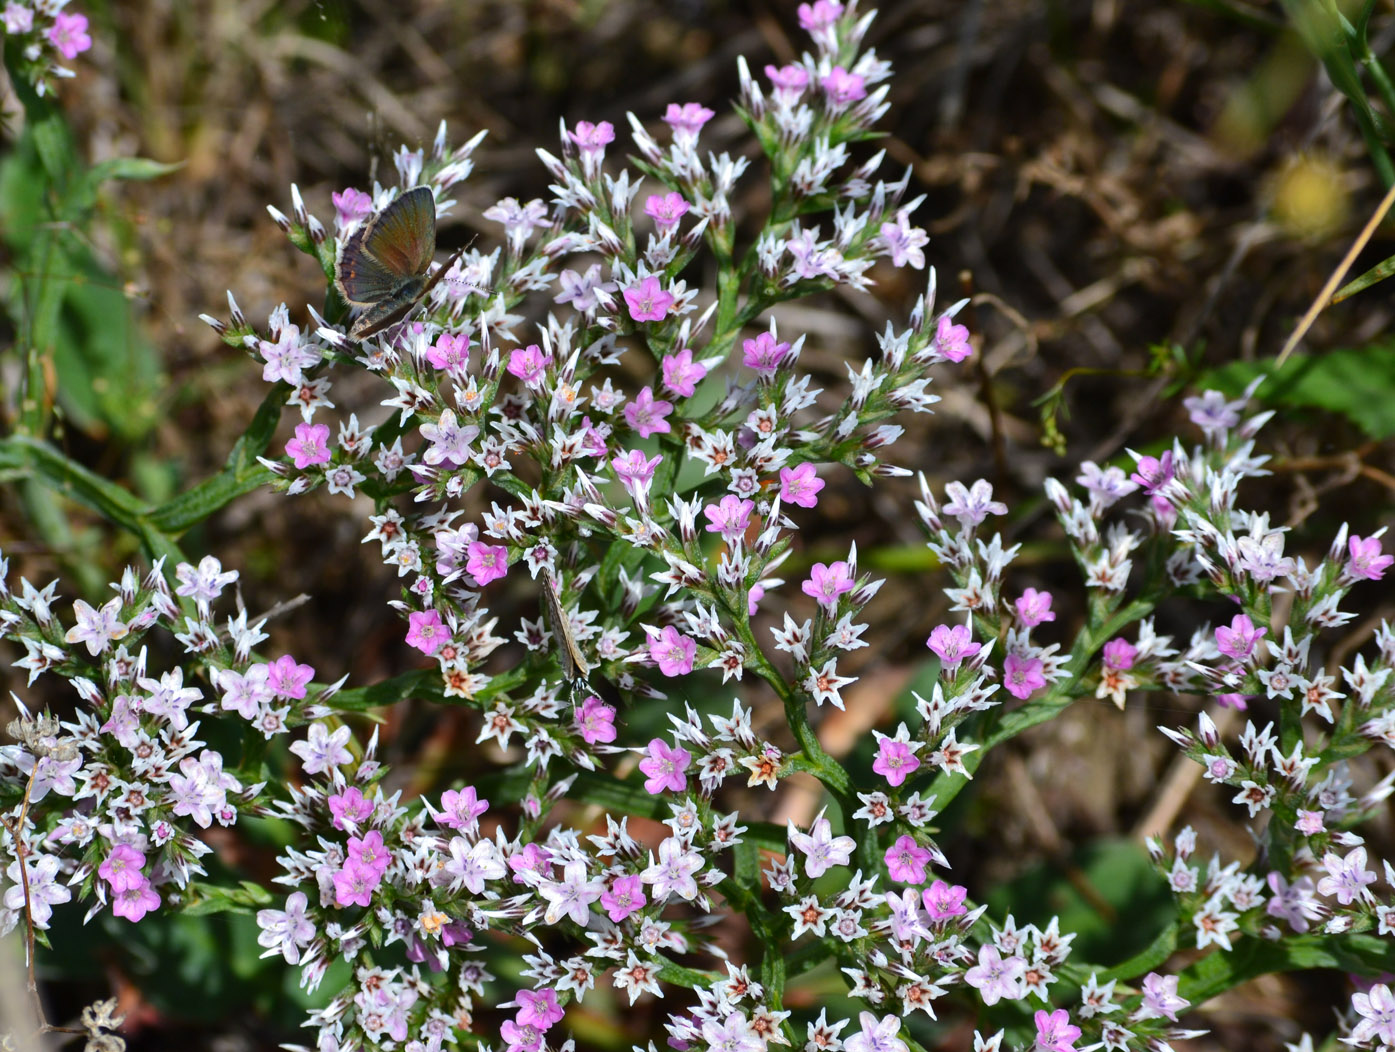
(1325, 296)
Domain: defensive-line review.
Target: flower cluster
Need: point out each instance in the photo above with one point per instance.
(41, 35)
(647, 450)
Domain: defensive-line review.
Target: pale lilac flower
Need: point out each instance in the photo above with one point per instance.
(323, 751)
(822, 850)
(470, 865)
(1294, 902)
(519, 220)
(996, 978)
(571, 896)
(673, 873)
(18, 18)
(585, 292)
(876, 1036)
(1376, 1008)
(972, 505)
(286, 931)
(1160, 998)
(1347, 877)
(734, 1034)
(904, 242)
(97, 628)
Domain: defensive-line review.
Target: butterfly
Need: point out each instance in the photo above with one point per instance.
(382, 266)
(574, 665)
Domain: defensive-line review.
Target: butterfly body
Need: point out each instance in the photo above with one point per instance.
(383, 265)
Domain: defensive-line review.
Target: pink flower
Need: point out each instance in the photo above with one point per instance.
(944, 901)
(1240, 702)
(665, 767)
(952, 341)
(895, 761)
(451, 351)
(135, 901)
(591, 138)
(529, 364)
(426, 632)
(827, 583)
(647, 415)
(288, 678)
(354, 884)
(687, 120)
(1022, 675)
(368, 850)
(763, 354)
(596, 720)
(672, 651)
(1367, 560)
(69, 35)
(820, 15)
(309, 446)
(952, 644)
(351, 206)
(122, 868)
(1120, 654)
(843, 88)
(666, 210)
(461, 809)
(682, 374)
(800, 485)
(1055, 1032)
(789, 82)
(624, 897)
(487, 562)
(1153, 474)
(350, 806)
(753, 598)
(634, 469)
(906, 860)
(1034, 607)
(730, 517)
(539, 1008)
(1239, 640)
(648, 301)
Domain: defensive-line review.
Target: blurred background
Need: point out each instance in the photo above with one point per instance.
(1139, 195)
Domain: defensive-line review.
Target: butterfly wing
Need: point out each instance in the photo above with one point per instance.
(403, 236)
(574, 665)
(360, 278)
(395, 307)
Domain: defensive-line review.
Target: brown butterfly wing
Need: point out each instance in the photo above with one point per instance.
(403, 236)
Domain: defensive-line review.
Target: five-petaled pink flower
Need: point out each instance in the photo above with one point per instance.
(529, 364)
(309, 446)
(827, 582)
(944, 901)
(665, 209)
(487, 562)
(763, 354)
(69, 35)
(906, 861)
(844, 88)
(648, 415)
(672, 651)
(1367, 559)
(426, 632)
(800, 485)
(952, 340)
(1034, 607)
(1022, 675)
(682, 374)
(896, 760)
(596, 720)
(648, 301)
(665, 767)
(592, 139)
(952, 644)
(1239, 640)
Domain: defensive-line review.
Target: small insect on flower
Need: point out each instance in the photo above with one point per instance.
(574, 664)
(382, 264)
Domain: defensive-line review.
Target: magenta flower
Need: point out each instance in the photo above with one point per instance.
(666, 210)
(288, 678)
(369, 850)
(1055, 1032)
(687, 120)
(529, 364)
(349, 807)
(351, 206)
(952, 341)
(309, 446)
(819, 16)
(682, 374)
(753, 598)
(487, 562)
(664, 767)
(451, 351)
(1034, 607)
(69, 35)
(800, 485)
(520, 1037)
(1120, 654)
(1022, 675)
(672, 651)
(596, 720)
(952, 644)
(539, 1008)
(624, 897)
(895, 760)
(1367, 559)
(764, 354)
(1153, 473)
(647, 415)
(827, 583)
(426, 632)
(906, 861)
(789, 81)
(1238, 641)
(944, 901)
(844, 88)
(730, 517)
(634, 469)
(648, 301)
(461, 809)
(592, 139)
(135, 901)
(122, 868)
(354, 884)
(1239, 702)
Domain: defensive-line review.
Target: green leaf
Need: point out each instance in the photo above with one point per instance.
(1379, 272)
(201, 899)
